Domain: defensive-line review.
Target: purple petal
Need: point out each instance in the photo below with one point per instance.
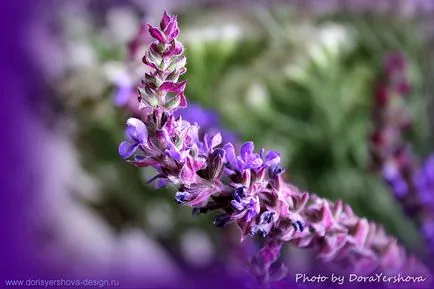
(137, 131)
(127, 149)
(212, 142)
(400, 187)
(261, 152)
(199, 163)
(181, 197)
(257, 206)
(230, 155)
(170, 124)
(272, 158)
(171, 150)
(392, 256)
(361, 232)
(174, 33)
(428, 230)
(238, 206)
(182, 100)
(172, 27)
(390, 171)
(187, 173)
(192, 136)
(161, 183)
(200, 198)
(229, 136)
(195, 113)
(250, 215)
(165, 20)
(176, 48)
(123, 95)
(426, 196)
(156, 33)
(253, 161)
(174, 153)
(327, 215)
(246, 150)
(429, 169)
(175, 87)
(124, 89)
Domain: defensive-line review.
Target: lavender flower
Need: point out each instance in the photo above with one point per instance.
(246, 188)
(136, 135)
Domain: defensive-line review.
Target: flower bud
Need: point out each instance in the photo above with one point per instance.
(215, 163)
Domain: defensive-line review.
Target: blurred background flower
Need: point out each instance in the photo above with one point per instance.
(295, 76)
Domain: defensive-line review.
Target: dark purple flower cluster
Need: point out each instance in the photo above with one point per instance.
(245, 186)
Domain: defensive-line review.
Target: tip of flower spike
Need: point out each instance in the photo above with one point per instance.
(165, 20)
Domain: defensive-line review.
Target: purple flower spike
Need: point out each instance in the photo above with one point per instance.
(213, 178)
(165, 57)
(136, 135)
